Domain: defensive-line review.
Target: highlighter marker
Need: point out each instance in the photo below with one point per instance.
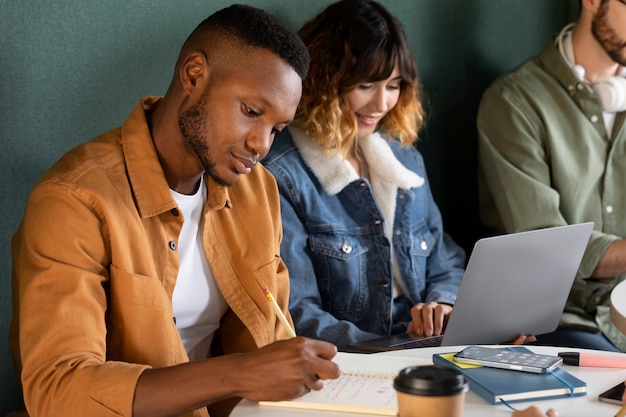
(593, 360)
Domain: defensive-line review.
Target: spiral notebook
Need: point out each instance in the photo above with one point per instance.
(364, 387)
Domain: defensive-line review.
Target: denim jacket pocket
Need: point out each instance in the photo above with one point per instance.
(419, 241)
(336, 244)
(414, 250)
(342, 270)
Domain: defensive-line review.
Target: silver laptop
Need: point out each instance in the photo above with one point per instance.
(514, 284)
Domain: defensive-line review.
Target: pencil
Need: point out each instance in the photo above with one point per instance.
(621, 412)
(279, 312)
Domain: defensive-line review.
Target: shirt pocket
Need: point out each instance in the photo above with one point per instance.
(140, 320)
(133, 288)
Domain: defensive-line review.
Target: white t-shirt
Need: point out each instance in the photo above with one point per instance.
(197, 301)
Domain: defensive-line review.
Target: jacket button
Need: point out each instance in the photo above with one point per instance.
(346, 248)
(172, 245)
(174, 212)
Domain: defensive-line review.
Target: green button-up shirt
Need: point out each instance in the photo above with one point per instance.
(546, 160)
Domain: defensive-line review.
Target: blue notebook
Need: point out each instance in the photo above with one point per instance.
(504, 386)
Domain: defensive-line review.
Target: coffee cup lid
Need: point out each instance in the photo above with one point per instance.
(430, 380)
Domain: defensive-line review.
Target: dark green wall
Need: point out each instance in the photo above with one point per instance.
(70, 69)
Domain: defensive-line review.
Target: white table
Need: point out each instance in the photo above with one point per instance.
(597, 379)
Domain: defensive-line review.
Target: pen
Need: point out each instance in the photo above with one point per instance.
(593, 360)
(279, 312)
(621, 412)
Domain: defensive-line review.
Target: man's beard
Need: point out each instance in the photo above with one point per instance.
(607, 37)
(193, 126)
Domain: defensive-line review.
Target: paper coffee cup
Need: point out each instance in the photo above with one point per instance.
(430, 391)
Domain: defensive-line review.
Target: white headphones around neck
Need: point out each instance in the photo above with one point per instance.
(611, 91)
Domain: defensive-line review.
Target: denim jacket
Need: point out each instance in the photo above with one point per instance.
(336, 241)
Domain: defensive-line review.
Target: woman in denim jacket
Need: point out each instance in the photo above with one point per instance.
(363, 237)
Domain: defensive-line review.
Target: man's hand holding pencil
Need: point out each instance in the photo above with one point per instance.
(296, 366)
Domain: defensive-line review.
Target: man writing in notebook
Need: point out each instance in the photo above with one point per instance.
(552, 140)
(140, 265)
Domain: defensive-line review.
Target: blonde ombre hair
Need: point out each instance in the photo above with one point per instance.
(353, 42)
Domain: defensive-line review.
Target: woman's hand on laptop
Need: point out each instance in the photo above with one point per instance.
(522, 340)
(429, 319)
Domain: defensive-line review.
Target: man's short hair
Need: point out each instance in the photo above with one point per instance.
(256, 28)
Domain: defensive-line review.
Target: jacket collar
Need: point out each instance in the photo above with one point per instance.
(334, 172)
(151, 190)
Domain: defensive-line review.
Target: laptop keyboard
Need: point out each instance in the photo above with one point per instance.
(431, 341)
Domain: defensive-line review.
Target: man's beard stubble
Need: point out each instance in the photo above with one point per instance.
(193, 126)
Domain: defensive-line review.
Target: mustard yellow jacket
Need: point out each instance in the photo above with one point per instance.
(95, 262)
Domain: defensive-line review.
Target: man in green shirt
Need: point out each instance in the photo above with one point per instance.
(552, 145)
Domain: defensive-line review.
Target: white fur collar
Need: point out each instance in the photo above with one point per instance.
(387, 174)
